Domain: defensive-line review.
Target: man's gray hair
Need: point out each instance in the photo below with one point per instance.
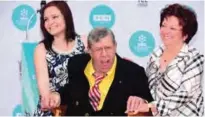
(98, 33)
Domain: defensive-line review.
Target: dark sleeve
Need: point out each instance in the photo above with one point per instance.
(64, 91)
(75, 66)
(143, 83)
(64, 95)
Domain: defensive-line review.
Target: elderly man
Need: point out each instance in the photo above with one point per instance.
(101, 83)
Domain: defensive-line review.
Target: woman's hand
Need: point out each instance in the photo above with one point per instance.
(50, 101)
(45, 102)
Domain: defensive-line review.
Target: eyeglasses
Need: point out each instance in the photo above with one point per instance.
(102, 49)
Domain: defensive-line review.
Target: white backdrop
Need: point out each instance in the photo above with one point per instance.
(130, 17)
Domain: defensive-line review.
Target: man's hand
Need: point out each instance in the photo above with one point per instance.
(135, 105)
(54, 100)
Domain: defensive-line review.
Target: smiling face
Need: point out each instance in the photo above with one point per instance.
(54, 21)
(103, 54)
(171, 31)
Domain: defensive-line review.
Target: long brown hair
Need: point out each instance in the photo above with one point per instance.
(70, 29)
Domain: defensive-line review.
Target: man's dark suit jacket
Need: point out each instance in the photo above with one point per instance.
(129, 80)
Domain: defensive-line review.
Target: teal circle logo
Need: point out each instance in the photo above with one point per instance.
(142, 43)
(21, 16)
(17, 111)
(102, 16)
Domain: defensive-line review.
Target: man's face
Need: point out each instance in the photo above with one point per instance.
(103, 54)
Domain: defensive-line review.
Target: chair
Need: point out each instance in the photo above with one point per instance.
(59, 111)
(141, 114)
